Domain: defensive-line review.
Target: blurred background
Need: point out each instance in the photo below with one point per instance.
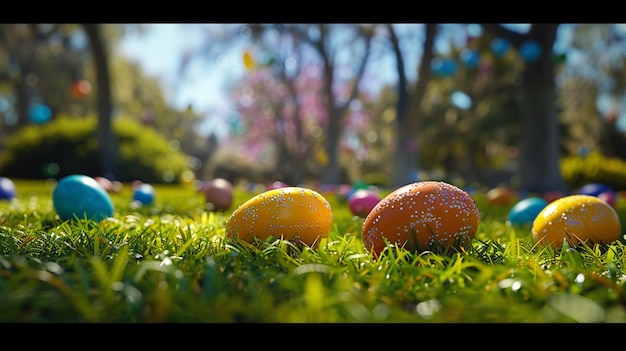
(537, 107)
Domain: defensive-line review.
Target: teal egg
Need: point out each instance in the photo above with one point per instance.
(80, 196)
(525, 211)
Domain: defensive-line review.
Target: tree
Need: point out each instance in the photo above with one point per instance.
(592, 95)
(30, 70)
(337, 106)
(540, 136)
(408, 107)
(283, 113)
(107, 141)
(42, 62)
(342, 68)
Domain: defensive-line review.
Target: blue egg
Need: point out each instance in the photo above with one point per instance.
(526, 210)
(7, 189)
(80, 196)
(144, 194)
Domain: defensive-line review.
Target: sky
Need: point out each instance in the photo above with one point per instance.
(159, 51)
(160, 48)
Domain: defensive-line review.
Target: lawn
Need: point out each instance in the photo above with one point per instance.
(171, 262)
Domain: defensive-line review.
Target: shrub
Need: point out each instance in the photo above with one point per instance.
(68, 145)
(594, 168)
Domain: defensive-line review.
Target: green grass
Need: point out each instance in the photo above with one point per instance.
(170, 262)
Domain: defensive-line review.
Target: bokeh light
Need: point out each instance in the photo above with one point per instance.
(39, 113)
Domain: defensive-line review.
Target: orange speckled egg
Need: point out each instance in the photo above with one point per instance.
(426, 215)
(576, 218)
(296, 214)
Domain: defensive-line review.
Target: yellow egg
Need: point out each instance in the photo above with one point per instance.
(296, 214)
(577, 219)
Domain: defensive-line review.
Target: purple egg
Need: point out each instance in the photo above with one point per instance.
(7, 189)
(362, 201)
(593, 189)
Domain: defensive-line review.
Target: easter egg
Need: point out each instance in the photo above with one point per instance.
(553, 195)
(577, 219)
(362, 201)
(144, 194)
(296, 214)
(135, 184)
(344, 190)
(117, 186)
(276, 185)
(356, 186)
(593, 189)
(80, 196)
(105, 183)
(500, 196)
(525, 210)
(426, 215)
(609, 196)
(8, 190)
(218, 194)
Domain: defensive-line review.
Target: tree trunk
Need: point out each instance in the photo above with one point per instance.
(540, 138)
(107, 141)
(407, 120)
(336, 110)
(333, 134)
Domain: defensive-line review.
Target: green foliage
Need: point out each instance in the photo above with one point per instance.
(594, 168)
(146, 155)
(472, 141)
(68, 145)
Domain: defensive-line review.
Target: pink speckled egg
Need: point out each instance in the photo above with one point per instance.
(362, 201)
(426, 215)
(298, 214)
(576, 218)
